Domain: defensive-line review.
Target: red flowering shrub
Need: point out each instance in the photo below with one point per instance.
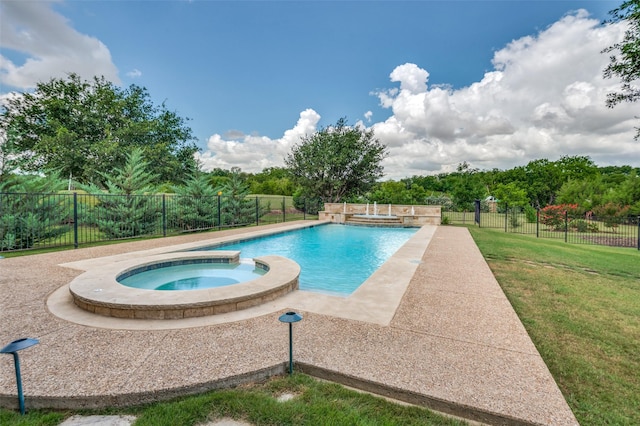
(554, 216)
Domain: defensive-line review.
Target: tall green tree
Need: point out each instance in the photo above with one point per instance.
(468, 187)
(86, 128)
(624, 59)
(237, 209)
(127, 206)
(337, 162)
(196, 204)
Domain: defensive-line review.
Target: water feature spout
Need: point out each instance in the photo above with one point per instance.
(375, 208)
(413, 211)
(367, 209)
(389, 210)
(344, 208)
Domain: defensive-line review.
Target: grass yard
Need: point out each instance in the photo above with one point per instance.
(581, 306)
(314, 403)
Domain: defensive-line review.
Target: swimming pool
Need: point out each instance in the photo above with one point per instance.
(190, 275)
(334, 259)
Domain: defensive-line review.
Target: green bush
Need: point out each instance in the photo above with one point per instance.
(27, 216)
(514, 221)
(579, 225)
(531, 214)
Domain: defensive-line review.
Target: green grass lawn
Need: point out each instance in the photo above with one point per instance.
(314, 403)
(581, 306)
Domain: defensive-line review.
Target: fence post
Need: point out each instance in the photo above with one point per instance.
(566, 226)
(75, 220)
(219, 212)
(638, 232)
(506, 214)
(164, 215)
(257, 212)
(284, 218)
(476, 216)
(537, 223)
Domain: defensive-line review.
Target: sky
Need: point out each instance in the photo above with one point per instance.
(494, 83)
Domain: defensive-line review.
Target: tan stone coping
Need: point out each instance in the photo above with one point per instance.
(98, 291)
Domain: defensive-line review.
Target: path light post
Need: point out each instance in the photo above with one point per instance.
(290, 317)
(13, 348)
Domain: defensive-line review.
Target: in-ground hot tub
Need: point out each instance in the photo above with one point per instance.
(99, 291)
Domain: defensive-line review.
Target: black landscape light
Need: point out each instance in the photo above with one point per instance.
(290, 317)
(13, 348)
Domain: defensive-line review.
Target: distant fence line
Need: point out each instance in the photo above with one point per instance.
(614, 231)
(37, 221)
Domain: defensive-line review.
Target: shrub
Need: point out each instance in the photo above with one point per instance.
(554, 216)
(514, 221)
(612, 214)
(531, 214)
(579, 225)
(28, 217)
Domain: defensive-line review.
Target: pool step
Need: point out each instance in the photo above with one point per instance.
(375, 221)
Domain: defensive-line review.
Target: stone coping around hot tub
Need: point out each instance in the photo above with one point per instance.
(98, 291)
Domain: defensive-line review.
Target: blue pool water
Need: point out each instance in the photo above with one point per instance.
(333, 258)
(193, 276)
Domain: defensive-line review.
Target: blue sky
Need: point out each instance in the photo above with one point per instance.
(254, 77)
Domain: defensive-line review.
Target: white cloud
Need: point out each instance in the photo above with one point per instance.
(368, 115)
(254, 153)
(51, 46)
(544, 99)
(134, 73)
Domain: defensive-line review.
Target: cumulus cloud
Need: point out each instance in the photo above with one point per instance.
(544, 98)
(254, 153)
(368, 115)
(52, 48)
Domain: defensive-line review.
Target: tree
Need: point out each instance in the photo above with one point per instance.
(391, 192)
(128, 207)
(236, 208)
(28, 214)
(467, 187)
(86, 128)
(511, 195)
(272, 180)
(196, 204)
(337, 162)
(625, 60)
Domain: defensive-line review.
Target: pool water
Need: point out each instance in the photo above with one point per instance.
(334, 259)
(193, 276)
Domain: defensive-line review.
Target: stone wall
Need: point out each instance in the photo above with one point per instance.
(409, 215)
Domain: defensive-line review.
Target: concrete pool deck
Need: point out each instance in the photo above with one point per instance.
(453, 343)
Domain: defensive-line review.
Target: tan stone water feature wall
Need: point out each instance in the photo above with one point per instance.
(406, 215)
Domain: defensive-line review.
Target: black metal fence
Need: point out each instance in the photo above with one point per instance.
(36, 221)
(612, 231)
